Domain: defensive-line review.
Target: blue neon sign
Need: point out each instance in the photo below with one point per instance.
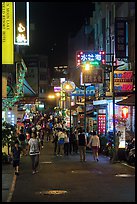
(84, 56)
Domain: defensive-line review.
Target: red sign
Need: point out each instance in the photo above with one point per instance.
(101, 124)
(123, 81)
(125, 112)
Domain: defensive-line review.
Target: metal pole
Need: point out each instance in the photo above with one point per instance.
(70, 114)
(113, 98)
(84, 107)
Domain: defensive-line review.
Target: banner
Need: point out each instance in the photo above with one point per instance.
(120, 37)
(7, 33)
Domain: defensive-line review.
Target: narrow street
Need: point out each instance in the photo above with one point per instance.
(66, 179)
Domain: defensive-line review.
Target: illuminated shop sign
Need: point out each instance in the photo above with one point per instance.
(93, 57)
(125, 112)
(101, 124)
(7, 33)
(90, 91)
(95, 75)
(68, 86)
(21, 23)
(57, 88)
(123, 81)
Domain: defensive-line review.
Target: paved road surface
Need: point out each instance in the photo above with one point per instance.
(81, 182)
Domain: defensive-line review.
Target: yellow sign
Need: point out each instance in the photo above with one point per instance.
(4, 85)
(7, 33)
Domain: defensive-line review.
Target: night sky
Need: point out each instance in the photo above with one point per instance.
(54, 22)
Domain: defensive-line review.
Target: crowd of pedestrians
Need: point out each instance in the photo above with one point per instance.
(30, 141)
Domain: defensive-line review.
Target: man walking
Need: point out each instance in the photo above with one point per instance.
(82, 143)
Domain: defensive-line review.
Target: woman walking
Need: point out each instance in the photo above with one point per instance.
(34, 151)
(94, 142)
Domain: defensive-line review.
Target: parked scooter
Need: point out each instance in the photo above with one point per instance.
(131, 156)
(130, 151)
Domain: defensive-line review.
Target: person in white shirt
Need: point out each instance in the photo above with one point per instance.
(34, 151)
(61, 137)
(94, 143)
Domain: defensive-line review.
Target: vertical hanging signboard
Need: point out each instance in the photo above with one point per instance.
(7, 33)
(21, 23)
(120, 37)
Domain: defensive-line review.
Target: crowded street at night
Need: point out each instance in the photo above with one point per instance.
(68, 102)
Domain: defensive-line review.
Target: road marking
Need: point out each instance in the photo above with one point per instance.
(52, 192)
(128, 165)
(48, 162)
(12, 188)
(80, 171)
(124, 175)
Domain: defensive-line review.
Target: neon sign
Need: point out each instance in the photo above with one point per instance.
(92, 57)
(123, 81)
(125, 112)
(21, 32)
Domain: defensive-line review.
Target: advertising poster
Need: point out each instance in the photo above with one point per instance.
(121, 136)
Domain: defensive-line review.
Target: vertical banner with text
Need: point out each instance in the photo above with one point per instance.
(7, 33)
(120, 37)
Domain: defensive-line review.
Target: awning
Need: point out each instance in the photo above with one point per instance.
(130, 101)
(27, 89)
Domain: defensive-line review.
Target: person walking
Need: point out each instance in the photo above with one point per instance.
(55, 141)
(42, 137)
(82, 143)
(16, 151)
(66, 143)
(94, 143)
(22, 139)
(61, 137)
(34, 151)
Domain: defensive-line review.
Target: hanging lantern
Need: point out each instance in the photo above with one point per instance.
(125, 112)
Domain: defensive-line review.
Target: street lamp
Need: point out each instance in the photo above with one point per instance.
(69, 87)
(86, 68)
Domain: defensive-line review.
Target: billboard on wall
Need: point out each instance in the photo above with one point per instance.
(123, 81)
(7, 33)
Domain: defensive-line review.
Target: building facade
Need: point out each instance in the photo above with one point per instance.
(102, 30)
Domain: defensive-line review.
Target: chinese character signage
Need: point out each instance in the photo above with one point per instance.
(120, 37)
(92, 57)
(101, 124)
(123, 81)
(7, 33)
(21, 23)
(90, 91)
(95, 75)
